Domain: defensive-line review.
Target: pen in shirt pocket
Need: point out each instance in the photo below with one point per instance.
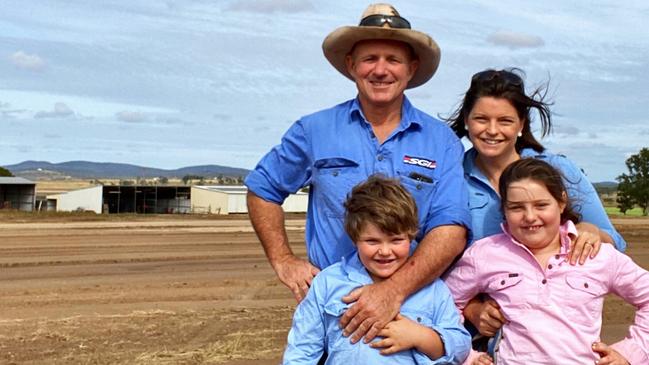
(420, 177)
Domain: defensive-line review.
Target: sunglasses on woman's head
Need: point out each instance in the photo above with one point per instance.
(491, 75)
(394, 21)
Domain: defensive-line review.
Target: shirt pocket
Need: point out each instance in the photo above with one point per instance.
(336, 342)
(333, 178)
(583, 299)
(510, 293)
(420, 317)
(478, 200)
(421, 185)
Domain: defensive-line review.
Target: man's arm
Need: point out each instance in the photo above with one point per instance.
(268, 221)
(379, 303)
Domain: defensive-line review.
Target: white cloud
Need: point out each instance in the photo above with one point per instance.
(131, 117)
(565, 131)
(515, 40)
(272, 6)
(26, 61)
(61, 110)
(171, 120)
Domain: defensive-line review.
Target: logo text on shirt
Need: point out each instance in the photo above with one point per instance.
(411, 160)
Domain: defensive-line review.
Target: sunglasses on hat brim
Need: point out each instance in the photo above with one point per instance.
(393, 21)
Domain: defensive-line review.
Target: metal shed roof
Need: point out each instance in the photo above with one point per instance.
(15, 181)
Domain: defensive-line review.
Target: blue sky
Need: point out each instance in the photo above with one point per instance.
(179, 83)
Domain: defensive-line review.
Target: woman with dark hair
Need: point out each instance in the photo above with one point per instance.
(495, 115)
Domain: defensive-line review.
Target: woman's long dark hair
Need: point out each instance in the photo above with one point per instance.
(506, 84)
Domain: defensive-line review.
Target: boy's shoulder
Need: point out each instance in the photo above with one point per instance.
(334, 276)
(330, 272)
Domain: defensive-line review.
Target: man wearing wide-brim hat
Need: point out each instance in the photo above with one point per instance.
(378, 132)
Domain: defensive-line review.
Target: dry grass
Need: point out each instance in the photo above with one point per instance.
(46, 187)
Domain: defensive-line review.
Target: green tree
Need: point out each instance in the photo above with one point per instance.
(624, 200)
(5, 172)
(634, 186)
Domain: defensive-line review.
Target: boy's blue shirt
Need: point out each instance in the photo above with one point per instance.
(315, 326)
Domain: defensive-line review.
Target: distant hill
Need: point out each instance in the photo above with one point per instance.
(95, 170)
(605, 185)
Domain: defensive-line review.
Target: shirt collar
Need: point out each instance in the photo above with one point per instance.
(567, 232)
(471, 169)
(408, 116)
(469, 165)
(355, 270)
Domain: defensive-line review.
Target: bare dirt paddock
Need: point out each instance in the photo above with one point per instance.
(162, 290)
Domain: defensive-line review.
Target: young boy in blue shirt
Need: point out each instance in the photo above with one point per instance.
(381, 219)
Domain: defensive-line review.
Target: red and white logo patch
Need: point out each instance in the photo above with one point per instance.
(429, 164)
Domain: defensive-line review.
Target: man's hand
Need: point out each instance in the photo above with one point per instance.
(485, 316)
(296, 274)
(609, 356)
(267, 218)
(374, 306)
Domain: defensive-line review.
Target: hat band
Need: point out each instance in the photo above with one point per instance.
(379, 20)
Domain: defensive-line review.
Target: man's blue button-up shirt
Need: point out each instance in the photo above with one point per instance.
(316, 328)
(333, 150)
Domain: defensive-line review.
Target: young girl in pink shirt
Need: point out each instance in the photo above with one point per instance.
(553, 310)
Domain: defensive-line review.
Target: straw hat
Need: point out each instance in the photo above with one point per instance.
(382, 21)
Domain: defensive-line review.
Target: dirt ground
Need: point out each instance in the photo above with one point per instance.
(163, 291)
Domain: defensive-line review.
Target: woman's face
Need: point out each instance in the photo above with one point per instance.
(493, 126)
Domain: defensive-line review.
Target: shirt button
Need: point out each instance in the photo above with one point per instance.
(335, 173)
(418, 186)
(557, 257)
(544, 281)
(418, 319)
(502, 282)
(379, 157)
(550, 267)
(585, 285)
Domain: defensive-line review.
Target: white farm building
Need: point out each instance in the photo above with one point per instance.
(88, 199)
(218, 199)
(226, 199)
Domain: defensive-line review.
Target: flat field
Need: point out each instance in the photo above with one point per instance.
(162, 290)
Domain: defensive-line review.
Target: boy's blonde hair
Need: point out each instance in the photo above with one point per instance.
(383, 202)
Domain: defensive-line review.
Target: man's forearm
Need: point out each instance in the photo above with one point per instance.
(268, 221)
(433, 256)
